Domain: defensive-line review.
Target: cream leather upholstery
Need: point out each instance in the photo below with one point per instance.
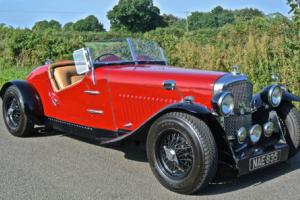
(63, 76)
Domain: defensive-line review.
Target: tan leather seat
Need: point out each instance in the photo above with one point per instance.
(64, 76)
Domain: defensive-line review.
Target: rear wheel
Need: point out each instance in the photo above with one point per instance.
(14, 115)
(291, 120)
(182, 152)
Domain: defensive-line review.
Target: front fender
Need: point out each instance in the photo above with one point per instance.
(32, 102)
(191, 108)
(287, 96)
(258, 102)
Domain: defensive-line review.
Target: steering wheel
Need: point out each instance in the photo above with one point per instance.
(112, 57)
(144, 58)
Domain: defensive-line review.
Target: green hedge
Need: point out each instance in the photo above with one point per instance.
(260, 47)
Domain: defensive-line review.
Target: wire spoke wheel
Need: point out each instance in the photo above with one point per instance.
(175, 154)
(13, 112)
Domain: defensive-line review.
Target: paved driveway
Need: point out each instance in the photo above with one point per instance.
(55, 166)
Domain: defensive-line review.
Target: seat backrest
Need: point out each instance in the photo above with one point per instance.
(63, 76)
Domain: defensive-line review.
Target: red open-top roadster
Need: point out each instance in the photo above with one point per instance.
(191, 120)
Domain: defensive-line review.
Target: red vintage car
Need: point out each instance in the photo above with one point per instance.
(190, 120)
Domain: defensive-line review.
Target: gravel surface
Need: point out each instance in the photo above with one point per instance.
(56, 166)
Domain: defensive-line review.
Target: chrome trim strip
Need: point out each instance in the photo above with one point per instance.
(128, 125)
(91, 65)
(163, 55)
(226, 80)
(133, 54)
(97, 112)
(92, 92)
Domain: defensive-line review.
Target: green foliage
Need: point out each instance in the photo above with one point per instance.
(219, 17)
(295, 9)
(248, 14)
(13, 73)
(135, 16)
(90, 23)
(170, 20)
(22, 48)
(260, 46)
(44, 25)
(68, 26)
(216, 18)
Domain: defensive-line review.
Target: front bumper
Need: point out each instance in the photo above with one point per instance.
(243, 158)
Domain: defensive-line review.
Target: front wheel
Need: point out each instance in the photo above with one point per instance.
(182, 152)
(14, 115)
(291, 120)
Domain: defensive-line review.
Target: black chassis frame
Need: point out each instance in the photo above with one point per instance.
(237, 157)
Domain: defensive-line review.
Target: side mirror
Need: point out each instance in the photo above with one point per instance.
(82, 60)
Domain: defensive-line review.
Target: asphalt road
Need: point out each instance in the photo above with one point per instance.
(56, 166)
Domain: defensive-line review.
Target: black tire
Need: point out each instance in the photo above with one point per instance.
(199, 145)
(291, 119)
(14, 116)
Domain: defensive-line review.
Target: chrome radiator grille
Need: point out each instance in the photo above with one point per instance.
(242, 92)
(235, 122)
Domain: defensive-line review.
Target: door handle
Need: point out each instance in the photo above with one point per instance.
(91, 92)
(169, 85)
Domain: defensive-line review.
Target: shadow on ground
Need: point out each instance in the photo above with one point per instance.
(255, 179)
(136, 152)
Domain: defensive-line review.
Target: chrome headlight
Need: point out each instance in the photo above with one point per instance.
(242, 135)
(275, 95)
(224, 103)
(269, 128)
(255, 133)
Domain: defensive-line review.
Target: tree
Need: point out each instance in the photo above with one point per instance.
(135, 16)
(170, 19)
(295, 9)
(278, 17)
(90, 23)
(198, 20)
(222, 16)
(218, 17)
(68, 26)
(247, 14)
(44, 25)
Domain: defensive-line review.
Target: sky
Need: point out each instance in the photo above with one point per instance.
(24, 13)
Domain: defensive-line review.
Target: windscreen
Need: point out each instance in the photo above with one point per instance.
(126, 50)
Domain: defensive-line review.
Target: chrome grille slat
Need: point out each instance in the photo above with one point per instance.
(242, 92)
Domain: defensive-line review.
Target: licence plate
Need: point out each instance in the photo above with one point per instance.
(264, 160)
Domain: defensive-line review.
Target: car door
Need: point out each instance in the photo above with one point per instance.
(71, 103)
(86, 103)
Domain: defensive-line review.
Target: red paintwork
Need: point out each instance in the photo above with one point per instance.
(129, 94)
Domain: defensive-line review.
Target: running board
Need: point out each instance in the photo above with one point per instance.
(102, 135)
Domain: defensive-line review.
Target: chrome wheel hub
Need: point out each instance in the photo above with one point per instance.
(171, 155)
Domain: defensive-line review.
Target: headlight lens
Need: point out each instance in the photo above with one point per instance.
(226, 104)
(255, 133)
(269, 128)
(275, 95)
(242, 135)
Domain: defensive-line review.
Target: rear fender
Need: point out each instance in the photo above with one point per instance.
(32, 101)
